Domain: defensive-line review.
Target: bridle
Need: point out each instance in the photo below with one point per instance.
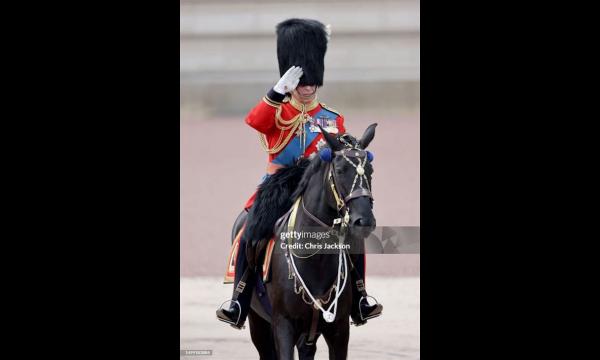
(361, 191)
(349, 152)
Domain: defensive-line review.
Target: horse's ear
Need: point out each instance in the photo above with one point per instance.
(369, 134)
(333, 143)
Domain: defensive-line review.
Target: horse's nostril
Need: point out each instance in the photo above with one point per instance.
(361, 221)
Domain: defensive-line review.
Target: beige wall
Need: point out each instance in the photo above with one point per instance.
(228, 52)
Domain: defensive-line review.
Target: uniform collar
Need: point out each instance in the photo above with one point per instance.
(308, 107)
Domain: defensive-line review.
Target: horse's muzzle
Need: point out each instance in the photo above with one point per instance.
(362, 226)
(362, 221)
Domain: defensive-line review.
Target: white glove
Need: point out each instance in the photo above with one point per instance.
(289, 80)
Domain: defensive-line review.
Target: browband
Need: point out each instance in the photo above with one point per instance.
(351, 152)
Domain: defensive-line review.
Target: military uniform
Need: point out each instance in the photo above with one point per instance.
(288, 129)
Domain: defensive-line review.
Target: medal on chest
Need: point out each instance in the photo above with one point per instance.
(330, 125)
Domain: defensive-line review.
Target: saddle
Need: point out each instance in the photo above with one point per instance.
(272, 200)
(261, 253)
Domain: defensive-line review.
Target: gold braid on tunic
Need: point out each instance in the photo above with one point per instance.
(284, 125)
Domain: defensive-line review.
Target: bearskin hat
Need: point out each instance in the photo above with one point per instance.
(302, 42)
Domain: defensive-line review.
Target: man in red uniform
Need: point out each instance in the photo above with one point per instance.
(287, 119)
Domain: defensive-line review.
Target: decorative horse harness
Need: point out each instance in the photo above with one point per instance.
(350, 151)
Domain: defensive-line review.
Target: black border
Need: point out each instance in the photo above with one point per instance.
(98, 140)
(95, 151)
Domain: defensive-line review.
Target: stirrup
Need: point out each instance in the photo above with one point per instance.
(233, 324)
(360, 311)
(362, 317)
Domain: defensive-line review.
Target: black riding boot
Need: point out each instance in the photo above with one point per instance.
(238, 309)
(361, 309)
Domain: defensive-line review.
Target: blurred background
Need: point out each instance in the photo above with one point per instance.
(228, 61)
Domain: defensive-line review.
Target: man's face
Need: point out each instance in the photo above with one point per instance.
(305, 94)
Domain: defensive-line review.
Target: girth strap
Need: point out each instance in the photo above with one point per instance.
(314, 323)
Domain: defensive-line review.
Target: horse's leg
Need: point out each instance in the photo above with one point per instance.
(337, 337)
(262, 336)
(306, 352)
(284, 336)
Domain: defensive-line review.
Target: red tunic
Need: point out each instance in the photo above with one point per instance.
(263, 118)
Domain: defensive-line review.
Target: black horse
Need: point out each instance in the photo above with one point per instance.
(329, 190)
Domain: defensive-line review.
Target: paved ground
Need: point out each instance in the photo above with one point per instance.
(395, 335)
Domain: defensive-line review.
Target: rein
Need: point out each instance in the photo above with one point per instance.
(328, 315)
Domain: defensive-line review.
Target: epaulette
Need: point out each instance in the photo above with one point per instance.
(270, 102)
(330, 109)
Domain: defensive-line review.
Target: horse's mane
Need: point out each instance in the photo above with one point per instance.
(313, 167)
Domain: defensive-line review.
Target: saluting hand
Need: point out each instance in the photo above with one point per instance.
(289, 80)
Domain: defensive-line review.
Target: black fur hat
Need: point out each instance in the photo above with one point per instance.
(302, 42)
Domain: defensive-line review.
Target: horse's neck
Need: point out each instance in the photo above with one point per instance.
(317, 198)
(321, 266)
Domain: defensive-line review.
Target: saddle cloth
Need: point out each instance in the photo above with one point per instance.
(233, 254)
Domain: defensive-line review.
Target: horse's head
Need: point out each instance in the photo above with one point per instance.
(350, 178)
